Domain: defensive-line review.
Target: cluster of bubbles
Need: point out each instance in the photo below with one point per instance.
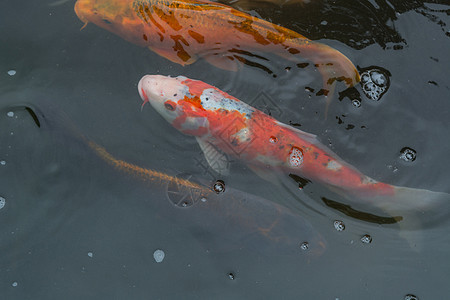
(375, 83)
(296, 157)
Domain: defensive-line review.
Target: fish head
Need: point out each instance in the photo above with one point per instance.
(104, 13)
(171, 98)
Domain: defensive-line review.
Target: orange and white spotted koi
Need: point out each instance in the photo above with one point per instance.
(224, 125)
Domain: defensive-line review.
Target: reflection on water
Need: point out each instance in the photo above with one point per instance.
(359, 23)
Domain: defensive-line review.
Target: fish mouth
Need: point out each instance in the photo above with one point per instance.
(142, 93)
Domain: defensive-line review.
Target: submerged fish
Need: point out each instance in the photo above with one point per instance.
(185, 30)
(278, 226)
(225, 126)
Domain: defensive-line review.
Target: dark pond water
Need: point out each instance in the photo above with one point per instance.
(73, 226)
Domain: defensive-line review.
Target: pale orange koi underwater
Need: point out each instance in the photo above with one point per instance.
(185, 30)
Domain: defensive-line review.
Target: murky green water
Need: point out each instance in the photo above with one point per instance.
(74, 226)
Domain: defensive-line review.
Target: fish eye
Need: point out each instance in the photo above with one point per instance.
(169, 105)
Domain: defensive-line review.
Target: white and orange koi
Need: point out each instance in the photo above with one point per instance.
(224, 125)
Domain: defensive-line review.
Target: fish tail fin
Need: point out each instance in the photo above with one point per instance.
(415, 211)
(421, 210)
(331, 63)
(418, 208)
(334, 67)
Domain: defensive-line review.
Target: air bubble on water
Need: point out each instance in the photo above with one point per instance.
(304, 246)
(2, 162)
(366, 239)
(203, 199)
(356, 103)
(408, 154)
(368, 87)
(374, 83)
(14, 284)
(90, 254)
(159, 255)
(378, 78)
(2, 202)
(365, 77)
(339, 225)
(411, 297)
(231, 276)
(219, 186)
(12, 72)
(323, 23)
(10, 114)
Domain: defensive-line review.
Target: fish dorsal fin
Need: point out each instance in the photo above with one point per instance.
(309, 137)
(216, 159)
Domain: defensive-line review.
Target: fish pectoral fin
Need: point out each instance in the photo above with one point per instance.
(180, 57)
(267, 174)
(217, 160)
(224, 62)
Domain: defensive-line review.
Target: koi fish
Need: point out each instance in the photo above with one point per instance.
(253, 221)
(185, 30)
(225, 126)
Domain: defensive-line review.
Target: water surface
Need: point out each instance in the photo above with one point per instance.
(75, 227)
